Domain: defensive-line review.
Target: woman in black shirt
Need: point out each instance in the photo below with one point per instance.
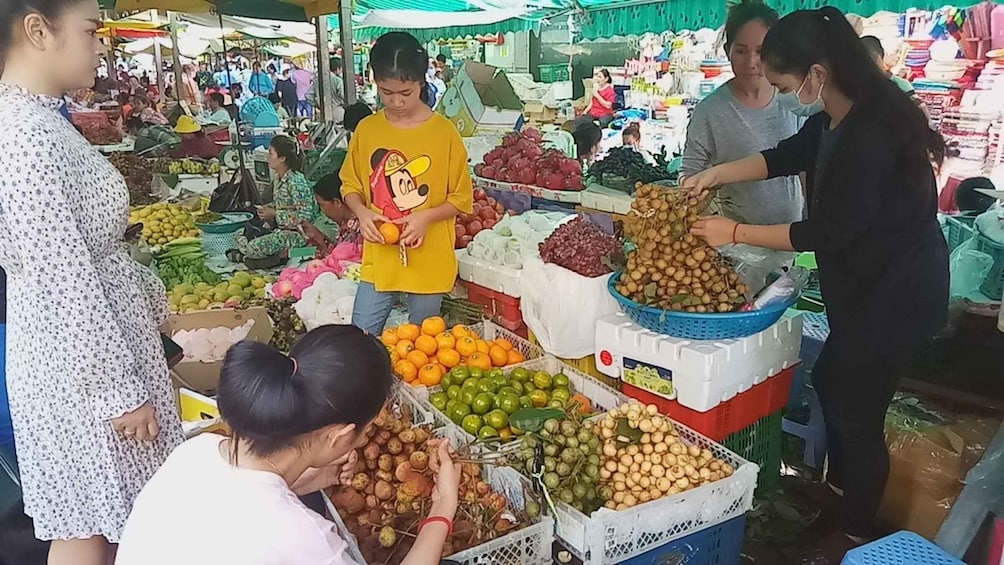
(872, 203)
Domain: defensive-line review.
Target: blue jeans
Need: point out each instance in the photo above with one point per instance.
(6, 427)
(306, 109)
(372, 307)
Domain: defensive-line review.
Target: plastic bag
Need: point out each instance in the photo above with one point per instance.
(968, 269)
(755, 264)
(561, 307)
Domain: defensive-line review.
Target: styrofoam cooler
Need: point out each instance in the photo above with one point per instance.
(698, 374)
(489, 275)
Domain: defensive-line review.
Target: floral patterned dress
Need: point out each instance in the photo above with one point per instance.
(82, 340)
(294, 205)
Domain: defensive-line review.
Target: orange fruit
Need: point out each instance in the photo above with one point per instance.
(504, 344)
(482, 346)
(480, 360)
(404, 347)
(406, 370)
(426, 344)
(417, 357)
(460, 331)
(514, 357)
(446, 340)
(430, 374)
(389, 337)
(442, 369)
(390, 232)
(466, 346)
(498, 356)
(409, 332)
(448, 357)
(394, 357)
(433, 326)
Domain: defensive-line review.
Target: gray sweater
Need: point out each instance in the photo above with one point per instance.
(722, 130)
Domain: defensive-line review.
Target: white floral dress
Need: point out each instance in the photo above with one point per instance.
(82, 317)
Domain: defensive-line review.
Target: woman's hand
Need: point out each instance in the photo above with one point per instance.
(339, 472)
(716, 230)
(368, 220)
(266, 213)
(139, 424)
(315, 237)
(447, 491)
(415, 226)
(701, 183)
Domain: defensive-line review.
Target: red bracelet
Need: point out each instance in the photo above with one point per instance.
(735, 229)
(431, 519)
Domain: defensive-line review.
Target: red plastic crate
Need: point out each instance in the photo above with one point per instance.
(729, 417)
(500, 308)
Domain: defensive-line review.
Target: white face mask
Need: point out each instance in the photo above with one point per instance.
(794, 104)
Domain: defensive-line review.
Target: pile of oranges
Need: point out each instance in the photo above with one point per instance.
(421, 355)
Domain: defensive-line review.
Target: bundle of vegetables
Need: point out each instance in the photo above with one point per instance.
(580, 246)
(643, 458)
(672, 269)
(183, 261)
(626, 163)
(391, 493)
(138, 176)
(521, 158)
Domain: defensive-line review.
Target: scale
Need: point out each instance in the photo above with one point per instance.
(698, 374)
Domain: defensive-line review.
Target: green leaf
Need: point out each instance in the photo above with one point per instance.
(626, 435)
(650, 290)
(532, 419)
(679, 298)
(171, 180)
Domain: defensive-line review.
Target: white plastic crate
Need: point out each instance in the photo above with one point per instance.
(609, 536)
(702, 374)
(599, 197)
(489, 275)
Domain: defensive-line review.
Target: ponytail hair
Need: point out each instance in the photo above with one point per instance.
(334, 375)
(824, 37)
(289, 148)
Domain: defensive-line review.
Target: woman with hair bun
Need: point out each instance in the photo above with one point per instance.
(883, 261)
(296, 423)
(744, 115)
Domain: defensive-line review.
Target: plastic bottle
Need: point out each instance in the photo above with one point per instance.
(997, 27)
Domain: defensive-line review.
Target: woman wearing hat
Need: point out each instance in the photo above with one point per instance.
(194, 142)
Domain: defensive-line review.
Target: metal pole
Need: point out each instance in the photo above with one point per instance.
(348, 53)
(176, 57)
(321, 78)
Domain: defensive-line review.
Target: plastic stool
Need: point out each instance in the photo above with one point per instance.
(815, 330)
(901, 548)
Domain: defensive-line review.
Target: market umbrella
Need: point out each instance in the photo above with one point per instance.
(288, 10)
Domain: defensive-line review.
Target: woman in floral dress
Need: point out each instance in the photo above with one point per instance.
(294, 204)
(92, 406)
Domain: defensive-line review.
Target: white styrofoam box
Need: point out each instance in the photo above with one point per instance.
(489, 275)
(703, 374)
(566, 196)
(599, 197)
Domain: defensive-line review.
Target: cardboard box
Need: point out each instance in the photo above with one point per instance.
(203, 377)
(481, 98)
(537, 113)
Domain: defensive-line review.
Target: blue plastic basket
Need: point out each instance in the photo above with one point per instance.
(901, 548)
(716, 545)
(687, 325)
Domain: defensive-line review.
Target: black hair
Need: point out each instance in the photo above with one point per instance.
(606, 74)
(825, 37)
(441, 58)
(217, 97)
(397, 55)
(968, 200)
(586, 136)
(334, 375)
(355, 113)
(15, 10)
(134, 123)
(744, 12)
(274, 98)
(271, 68)
(874, 46)
(335, 64)
(633, 129)
(287, 147)
(329, 188)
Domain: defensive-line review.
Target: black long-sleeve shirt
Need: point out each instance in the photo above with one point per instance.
(883, 261)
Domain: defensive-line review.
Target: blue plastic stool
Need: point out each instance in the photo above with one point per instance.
(901, 548)
(815, 330)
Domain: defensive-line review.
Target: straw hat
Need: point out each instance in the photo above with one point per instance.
(187, 124)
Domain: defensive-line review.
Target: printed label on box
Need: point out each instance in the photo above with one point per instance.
(656, 380)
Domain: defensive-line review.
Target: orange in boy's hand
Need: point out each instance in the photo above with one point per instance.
(390, 232)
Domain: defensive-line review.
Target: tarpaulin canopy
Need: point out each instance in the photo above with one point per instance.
(286, 10)
(426, 35)
(187, 47)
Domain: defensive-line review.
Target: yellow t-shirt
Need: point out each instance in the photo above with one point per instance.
(399, 171)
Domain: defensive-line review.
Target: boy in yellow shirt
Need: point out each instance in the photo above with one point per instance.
(406, 165)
